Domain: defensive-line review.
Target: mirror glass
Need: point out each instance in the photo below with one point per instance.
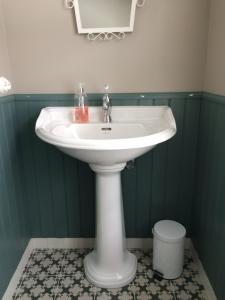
(94, 16)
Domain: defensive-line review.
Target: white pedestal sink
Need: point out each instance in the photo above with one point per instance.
(107, 147)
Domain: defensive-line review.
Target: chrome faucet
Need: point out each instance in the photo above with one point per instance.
(106, 106)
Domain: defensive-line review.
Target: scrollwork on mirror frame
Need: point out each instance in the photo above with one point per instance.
(70, 3)
(106, 36)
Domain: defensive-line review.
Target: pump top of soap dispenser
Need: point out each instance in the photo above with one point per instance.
(82, 97)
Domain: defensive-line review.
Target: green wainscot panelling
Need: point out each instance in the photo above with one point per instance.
(59, 190)
(13, 231)
(209, 203)
(44, 193)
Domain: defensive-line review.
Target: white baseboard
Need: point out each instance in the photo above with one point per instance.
(145, 243)
(75, 243)
(89, 243)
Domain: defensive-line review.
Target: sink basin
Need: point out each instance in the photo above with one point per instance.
(134, 131)
(107, 147)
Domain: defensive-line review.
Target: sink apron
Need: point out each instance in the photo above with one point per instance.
(110, 264)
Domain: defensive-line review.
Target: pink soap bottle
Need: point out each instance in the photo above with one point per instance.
(81, 109)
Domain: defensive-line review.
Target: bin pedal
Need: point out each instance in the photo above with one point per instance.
(157, 275)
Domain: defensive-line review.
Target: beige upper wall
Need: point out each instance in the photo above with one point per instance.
(215, 66)
(4, 57)
(166, 51)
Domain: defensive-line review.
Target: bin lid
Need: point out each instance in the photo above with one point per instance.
(169, 231)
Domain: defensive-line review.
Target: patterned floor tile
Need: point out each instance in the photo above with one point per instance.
(144, 259)
(35, 287)
(45, 261)
(58, 274)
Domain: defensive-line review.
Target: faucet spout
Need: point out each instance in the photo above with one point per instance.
(106, 106)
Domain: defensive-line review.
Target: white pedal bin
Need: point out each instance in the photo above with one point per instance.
(168, 248)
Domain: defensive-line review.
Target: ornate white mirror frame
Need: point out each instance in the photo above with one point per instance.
(104, 33)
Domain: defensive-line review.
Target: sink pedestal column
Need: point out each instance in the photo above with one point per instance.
(110, 264)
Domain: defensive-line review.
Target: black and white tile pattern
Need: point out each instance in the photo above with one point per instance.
(58, 274)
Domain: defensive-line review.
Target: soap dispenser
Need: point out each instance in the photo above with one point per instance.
(81, 109)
